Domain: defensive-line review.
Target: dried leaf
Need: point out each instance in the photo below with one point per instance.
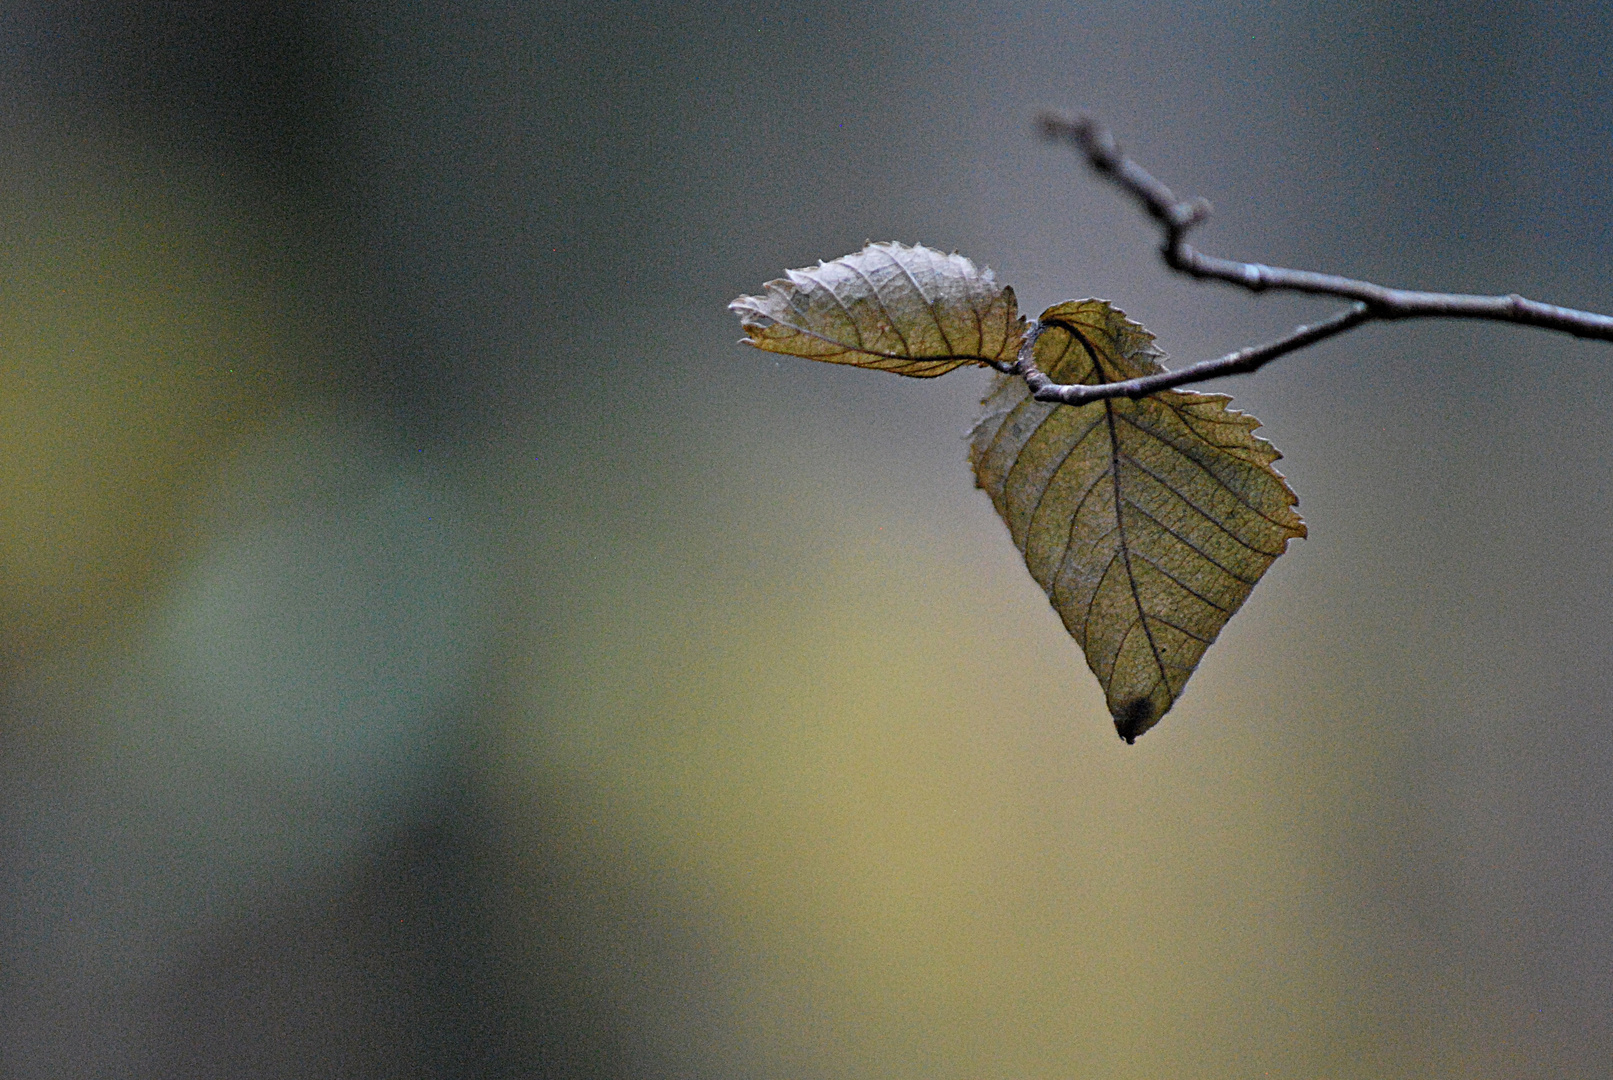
(910, 310)
(1147, 522)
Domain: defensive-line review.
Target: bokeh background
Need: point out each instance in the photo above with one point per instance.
(433, 647)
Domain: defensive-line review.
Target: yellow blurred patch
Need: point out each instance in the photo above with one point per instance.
(136, 343)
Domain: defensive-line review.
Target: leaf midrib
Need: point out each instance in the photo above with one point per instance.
(1125, 542)
(979, 358)
(1098, 376)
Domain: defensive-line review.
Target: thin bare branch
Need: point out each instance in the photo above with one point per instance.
(1234, 363)
(1373, 303)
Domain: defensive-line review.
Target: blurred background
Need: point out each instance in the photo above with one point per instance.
(432, 647)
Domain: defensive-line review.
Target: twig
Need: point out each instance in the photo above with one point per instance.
(1373, 303)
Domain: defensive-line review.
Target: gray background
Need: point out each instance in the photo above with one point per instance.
(546, 685)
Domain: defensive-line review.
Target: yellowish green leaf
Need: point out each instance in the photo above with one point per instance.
(1147, 522)
(909, 310)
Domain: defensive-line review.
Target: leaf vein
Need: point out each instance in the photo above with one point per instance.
(1207, 471)
(1086, 616)
(1185, 587)
(890, 320)
(1125, 542)
(1206, 515)
(1200, 552)
(851, 318)
(1075, 517)
(1182, 630)
(929, 305)
(1054, 475)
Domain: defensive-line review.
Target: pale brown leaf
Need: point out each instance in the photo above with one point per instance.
(909, 310)
(1147, 522)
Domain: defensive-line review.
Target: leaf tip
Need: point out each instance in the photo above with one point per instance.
(745, 306)
(1135, 717)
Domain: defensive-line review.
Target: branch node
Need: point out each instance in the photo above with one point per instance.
(1189, 213)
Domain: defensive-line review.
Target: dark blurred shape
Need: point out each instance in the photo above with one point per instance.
(267, 100)
(256, 86)
(379, 971)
